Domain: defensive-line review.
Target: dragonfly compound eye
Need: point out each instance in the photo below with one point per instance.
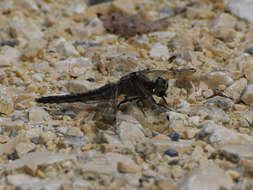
(161, 86)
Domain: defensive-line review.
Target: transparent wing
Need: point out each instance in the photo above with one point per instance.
(168, 74)
(106, 111)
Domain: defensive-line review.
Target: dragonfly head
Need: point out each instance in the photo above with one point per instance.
(161, 86)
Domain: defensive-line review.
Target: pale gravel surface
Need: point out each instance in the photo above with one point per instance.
(58, 47)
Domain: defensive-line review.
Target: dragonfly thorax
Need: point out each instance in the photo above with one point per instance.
(161, 86)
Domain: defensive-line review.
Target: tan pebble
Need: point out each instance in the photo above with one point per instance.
(190, 133)
(209, 148)
(164, 185)
(38, 114)
(207, 93)
(235, 90)
(17, 125)
(24, 147)
(247, 96)
(6, 104)
(3, 139)
(233, 174)
(244, 130)
(127, 168)
(74, 131)
(125, 6)
(87, 147)
(161, 137)
(31, 169)
(40, 174)
(240, 107)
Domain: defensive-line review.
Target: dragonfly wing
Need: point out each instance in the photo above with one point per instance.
(106, 111)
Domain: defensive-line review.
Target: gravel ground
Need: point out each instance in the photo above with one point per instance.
(67, 47)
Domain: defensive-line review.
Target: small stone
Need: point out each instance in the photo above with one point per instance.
(106, 164)
(221, 102)
(10, 43)
(247, 96)
(126, 168)
(6, 104)
(3, 139)
(69, 65)
(37, 77)
(19, 179)
(224, 27)
(23, 148)
(171, 153)
(215, 79)
(174, 136)
(125, 7)
(61, 130)
(130, 133)
(235, 90)
(35, 140)
(33, 48)
(249, 50)
(14, 125)
(76, 142)
(242, 9)
(166, 12)
(164, 185)
(13, 156)
(182, 146)
(189, 133)
(216, 134)
(206, 177)
(95, 2)
(94, 27)
(37, 114)
(65, 48)
(39, 159)
(13, 133)
(28, 5)
(46, 184)
(27, 28)
(159, 51)
(235, 152)
(78, 86)
(74, 131)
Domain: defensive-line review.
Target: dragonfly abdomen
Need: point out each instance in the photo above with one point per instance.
(62, 98)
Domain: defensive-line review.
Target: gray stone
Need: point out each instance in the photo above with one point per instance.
(38, 159)
(242, 9)
(38, 114)
(207, 177)
(130, 133)
(219, 135)
(247, 96)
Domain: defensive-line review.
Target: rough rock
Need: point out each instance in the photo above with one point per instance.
(247, 96)
(216, 134)
(37, 114)
(214, 79)
(130, 133)
(23, 148)
(242, 9)
(38, 159)
(207, 177)
(78, 86)
(235, 90)
(69, 65)
(224, 27)
(159, 51)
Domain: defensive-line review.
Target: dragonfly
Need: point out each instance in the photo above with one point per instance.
(136, 86)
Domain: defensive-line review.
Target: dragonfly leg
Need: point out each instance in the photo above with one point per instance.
(140, 106)
(126, 99)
